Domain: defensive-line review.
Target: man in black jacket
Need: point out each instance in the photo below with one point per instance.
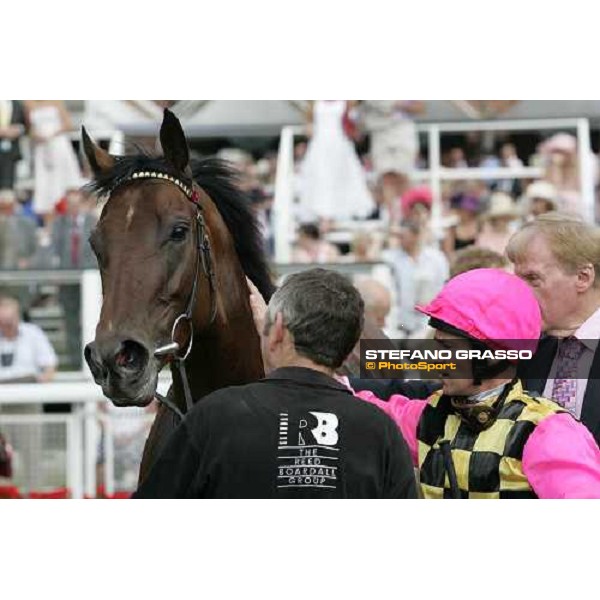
(298, 433)
(12, 127)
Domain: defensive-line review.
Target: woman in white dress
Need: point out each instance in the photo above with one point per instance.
(55, 165)
(333, 182)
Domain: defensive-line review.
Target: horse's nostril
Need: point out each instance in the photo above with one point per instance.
(124, 358)
(131, 356)
(93, 361)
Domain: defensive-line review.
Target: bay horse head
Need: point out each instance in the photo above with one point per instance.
(174, 243)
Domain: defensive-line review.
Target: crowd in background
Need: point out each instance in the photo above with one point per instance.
(356, 166)
(45, 223)
(477, 217)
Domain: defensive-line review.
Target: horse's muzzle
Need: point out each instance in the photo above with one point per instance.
(120, 367)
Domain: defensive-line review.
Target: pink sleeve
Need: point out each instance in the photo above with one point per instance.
(405, 412)
(561, 459)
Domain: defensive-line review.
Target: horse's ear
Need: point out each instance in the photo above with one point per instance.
(100, 160)
(173, 142)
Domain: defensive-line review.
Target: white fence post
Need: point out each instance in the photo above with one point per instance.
(91, 433)
(435, 164)
(117, 143)
(75, 454)
(91, 303)
(109, 456)
(586, 177)
(284, 196)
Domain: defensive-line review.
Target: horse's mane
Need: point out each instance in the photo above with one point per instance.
(221, 182)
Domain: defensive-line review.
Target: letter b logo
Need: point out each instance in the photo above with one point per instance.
(326, 430)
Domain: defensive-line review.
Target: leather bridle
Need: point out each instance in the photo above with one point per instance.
(172, 351)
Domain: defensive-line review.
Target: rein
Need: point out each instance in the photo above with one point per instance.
(173, 350)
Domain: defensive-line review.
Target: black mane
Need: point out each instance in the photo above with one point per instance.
(220, 181)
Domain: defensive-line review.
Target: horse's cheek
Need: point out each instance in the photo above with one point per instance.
(174, 266)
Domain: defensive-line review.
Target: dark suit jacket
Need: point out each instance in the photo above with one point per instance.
(61, 242)
(17, 240)
(534, 374)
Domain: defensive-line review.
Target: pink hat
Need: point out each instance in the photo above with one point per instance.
(490, 305)
(415, 195)
(560, 142)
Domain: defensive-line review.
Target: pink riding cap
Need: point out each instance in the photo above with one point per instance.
(489, 305)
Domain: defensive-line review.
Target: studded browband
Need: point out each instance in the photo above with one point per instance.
(190, 193)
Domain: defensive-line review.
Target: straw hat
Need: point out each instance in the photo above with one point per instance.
(542, 190)
(501, 205)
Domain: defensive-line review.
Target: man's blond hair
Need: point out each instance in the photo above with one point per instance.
(573, 242)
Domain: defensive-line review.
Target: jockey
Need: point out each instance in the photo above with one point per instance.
(484, 436)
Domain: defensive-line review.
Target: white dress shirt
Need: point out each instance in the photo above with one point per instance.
(417, 280)
(31, 353)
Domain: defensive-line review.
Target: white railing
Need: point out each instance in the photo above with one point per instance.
(84, 425)
(436, 173)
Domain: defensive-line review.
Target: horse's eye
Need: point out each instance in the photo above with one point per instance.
(179, 232)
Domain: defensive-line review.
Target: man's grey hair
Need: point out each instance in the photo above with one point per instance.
(324, 313)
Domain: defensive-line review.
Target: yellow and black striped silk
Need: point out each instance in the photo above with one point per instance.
(487, 463)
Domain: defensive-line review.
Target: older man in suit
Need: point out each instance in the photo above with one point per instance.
(70, 233)
(17, 234)
(559, 256)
